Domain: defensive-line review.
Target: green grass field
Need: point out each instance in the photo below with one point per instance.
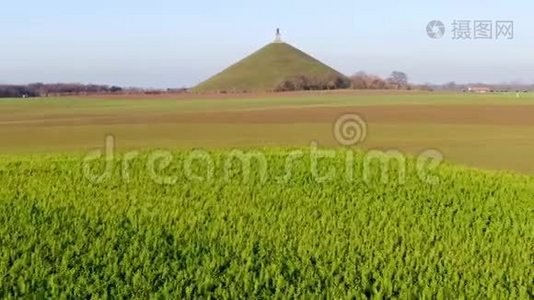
(469, 234)
(176, 215)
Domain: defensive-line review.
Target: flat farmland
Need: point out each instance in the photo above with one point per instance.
(490, 131)
(269, 220)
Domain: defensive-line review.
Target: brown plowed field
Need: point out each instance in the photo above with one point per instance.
(446, 114)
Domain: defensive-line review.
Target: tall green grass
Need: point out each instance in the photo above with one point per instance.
(470, 235)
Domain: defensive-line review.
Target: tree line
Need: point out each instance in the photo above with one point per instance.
(45, 90)
(307, 83)
(360, 80)
(397, 80)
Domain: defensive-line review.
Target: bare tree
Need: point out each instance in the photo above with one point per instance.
(358, 80)
(377, 83)
(398, 79)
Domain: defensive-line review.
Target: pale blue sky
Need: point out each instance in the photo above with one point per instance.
(177, 43)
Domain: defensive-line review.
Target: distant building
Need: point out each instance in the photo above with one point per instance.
(479, 89)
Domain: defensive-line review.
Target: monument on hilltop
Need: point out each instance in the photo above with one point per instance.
(276, 67)
(278, 38)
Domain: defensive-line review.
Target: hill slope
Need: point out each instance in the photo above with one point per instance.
(266, 68)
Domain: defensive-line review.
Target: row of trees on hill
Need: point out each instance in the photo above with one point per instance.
(310, 83)
(360, 80)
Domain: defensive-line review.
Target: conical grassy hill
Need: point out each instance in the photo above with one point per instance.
(267, 68)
